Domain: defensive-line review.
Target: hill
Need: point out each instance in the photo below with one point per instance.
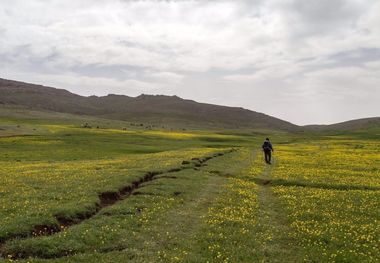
(155, 109)
(352, 125)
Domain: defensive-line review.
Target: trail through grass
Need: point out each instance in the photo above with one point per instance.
(175, 237)
(274, 241)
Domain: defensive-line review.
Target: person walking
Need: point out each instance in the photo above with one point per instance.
(268, 149)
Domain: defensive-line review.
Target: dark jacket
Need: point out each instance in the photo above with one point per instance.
(267, 146)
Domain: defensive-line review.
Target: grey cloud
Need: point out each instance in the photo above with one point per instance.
(356, 57)
(323, 16)
(352, 58)
(119, 72)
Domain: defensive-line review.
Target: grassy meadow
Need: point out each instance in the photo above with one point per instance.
(125, 193)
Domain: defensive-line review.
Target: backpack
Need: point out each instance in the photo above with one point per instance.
(267, 146)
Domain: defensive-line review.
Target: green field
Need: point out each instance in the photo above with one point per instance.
(108, 194)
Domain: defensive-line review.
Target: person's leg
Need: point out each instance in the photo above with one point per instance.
(266, 156)
(269, 156)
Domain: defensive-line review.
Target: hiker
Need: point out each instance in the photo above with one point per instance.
(268, 149)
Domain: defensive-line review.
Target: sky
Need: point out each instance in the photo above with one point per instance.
(307, 62)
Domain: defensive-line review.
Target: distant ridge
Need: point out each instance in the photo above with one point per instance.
(351, 125)
(158, 109)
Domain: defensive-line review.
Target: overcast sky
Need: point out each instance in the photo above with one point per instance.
(314, 61)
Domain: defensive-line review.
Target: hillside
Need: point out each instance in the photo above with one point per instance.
(155, 109)
(352, 125)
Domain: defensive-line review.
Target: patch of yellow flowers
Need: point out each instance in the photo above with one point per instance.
(232, 218)
(333, 162)
(32, 192)
(334, 217)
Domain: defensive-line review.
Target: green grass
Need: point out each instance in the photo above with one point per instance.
(319, 202)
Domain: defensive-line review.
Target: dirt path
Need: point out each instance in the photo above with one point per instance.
(174, 238)
(274, 241)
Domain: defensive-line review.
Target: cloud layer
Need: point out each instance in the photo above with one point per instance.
(304, 61)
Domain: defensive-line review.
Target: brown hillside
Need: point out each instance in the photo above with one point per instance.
(153, 108)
